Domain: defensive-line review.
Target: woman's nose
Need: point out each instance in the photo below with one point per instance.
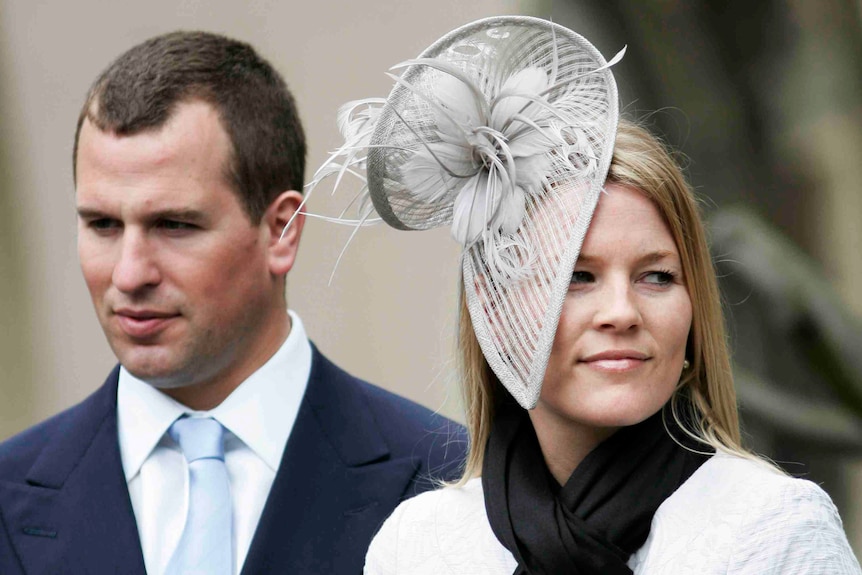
(617, 307)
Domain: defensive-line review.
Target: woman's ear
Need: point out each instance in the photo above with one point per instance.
(283, 243)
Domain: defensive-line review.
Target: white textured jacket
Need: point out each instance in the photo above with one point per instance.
(733, 516)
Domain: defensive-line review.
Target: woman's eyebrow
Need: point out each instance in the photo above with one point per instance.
(647, 258)
(657, 256)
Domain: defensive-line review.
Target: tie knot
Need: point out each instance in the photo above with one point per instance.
(199, 437)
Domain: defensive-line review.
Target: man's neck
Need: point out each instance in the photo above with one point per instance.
(208, 394)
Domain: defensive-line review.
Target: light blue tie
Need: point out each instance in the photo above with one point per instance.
(205, 546)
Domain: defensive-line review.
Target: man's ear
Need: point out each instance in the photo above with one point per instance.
(283, 248)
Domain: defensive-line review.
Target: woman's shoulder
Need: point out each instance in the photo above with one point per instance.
(735, 513)
(448, 508)
(438, 532)
(752, 488)
(731, 478)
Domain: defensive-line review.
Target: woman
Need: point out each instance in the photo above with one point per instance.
(604, 435)
(734, 514)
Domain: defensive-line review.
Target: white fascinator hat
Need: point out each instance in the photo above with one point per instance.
(503, 129)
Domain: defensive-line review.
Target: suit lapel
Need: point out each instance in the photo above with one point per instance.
(335, 485)
(73, 514)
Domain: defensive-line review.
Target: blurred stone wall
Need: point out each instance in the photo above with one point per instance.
(764, 99)
(16, 359)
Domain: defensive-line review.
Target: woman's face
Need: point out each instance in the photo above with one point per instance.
(620, 345)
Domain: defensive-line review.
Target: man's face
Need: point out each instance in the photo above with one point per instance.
(180, 278)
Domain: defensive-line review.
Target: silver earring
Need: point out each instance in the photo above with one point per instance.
(685, 364)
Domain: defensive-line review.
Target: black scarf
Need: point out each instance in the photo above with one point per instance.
(602, 515)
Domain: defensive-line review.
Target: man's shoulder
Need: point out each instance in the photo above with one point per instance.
(19, 452)
(408, 428)
(417, 428)
(406, 415)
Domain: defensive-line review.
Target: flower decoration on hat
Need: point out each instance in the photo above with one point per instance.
(491, 154)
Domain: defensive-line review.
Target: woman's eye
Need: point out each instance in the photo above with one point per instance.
(579, 277)
(659, 278)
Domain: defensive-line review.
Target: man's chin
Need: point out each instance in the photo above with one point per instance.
(158, 379)
(159, 374)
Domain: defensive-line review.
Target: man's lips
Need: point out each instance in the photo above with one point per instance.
(616, 360)
(142, 323)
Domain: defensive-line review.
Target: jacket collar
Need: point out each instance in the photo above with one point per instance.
(336, 484)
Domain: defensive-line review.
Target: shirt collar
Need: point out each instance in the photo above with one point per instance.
(260, 412)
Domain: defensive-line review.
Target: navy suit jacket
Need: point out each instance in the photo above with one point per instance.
(354, 453)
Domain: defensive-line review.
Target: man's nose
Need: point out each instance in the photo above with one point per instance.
(136, 267)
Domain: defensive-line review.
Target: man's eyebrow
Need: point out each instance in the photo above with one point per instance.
(190, 215)
(86, 213)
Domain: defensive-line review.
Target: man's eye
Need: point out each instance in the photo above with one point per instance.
(579, 277)
(104, 224)
(173, 225)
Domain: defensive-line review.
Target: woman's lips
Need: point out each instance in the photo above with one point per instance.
(616, 361)
(616, 365)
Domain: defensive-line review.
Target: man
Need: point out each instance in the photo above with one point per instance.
(188, 160)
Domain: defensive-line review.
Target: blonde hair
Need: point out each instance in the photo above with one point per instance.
(704, 404)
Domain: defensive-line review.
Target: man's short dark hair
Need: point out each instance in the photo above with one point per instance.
(141, 89)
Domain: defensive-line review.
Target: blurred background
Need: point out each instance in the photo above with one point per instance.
(763, 100)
